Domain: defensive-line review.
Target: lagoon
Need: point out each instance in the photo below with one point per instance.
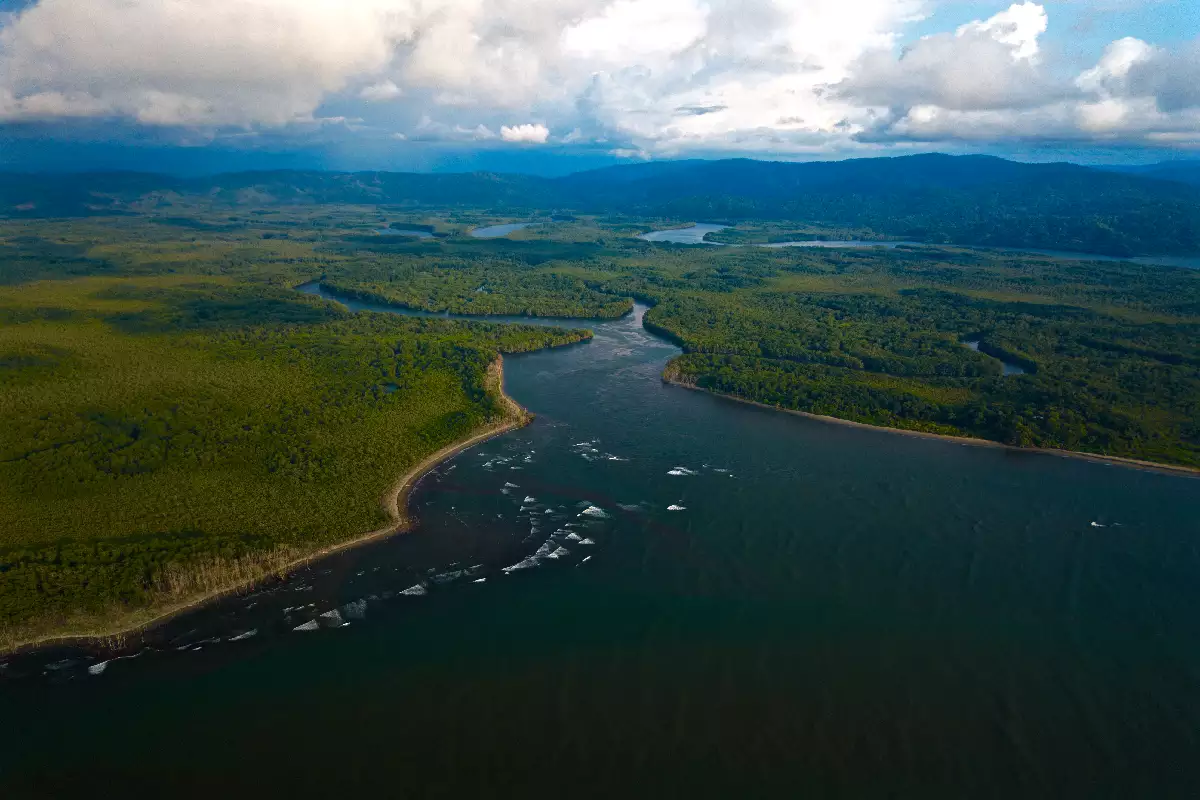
(496, 231)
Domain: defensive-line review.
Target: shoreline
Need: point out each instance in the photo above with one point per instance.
(395, 505)
(1177, 470)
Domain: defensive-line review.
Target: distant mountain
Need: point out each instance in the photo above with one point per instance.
(938, 198)
(1180, 171)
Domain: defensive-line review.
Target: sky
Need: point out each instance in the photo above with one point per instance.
(551, 86)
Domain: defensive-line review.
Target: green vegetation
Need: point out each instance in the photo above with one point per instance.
(178, 418)
(1112, 350)
(167, 435)
(971, 200)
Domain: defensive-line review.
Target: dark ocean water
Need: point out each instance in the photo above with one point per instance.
(835, 612)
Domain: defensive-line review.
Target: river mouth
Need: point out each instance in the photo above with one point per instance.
(828, 605)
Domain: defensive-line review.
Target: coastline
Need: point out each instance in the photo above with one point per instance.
(1151, 466)
(395, 505)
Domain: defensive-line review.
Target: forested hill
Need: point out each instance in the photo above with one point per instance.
(937, 198)
(1178, 171)
(978, 200)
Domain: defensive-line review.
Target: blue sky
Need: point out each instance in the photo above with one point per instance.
(555, 85)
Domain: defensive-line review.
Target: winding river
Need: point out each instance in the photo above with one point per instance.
(652, 588)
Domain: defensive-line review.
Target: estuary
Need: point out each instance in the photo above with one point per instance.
(657, 586)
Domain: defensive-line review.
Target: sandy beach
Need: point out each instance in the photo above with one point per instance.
(1171, 469)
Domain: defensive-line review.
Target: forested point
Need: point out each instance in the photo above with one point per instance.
(169, 434)
(177, 415)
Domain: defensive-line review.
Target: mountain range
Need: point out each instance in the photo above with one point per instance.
(979, 200)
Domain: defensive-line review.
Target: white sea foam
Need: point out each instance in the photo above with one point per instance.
(559, 553)
(676, 508)
(241, 637)
(586, 559)
(593, 511)
(679, 471)
(574, 537)
(311, 625)
(529, 499)
(332, 618)
(586, 541)
(510, 485)
(629, 506)
(1097, 525)
(355, 610)
(479, 580)
(416, 591)
(545, 549)
(446, 577)
(98, 669)
(526, 563)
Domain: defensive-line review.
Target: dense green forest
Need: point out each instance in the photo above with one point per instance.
(1111, 351)
(166, 433)
(150, 364)
(967, 200)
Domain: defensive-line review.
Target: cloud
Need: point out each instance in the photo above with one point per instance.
(191, 61)
(633, 31)
(985, 64)
(384, 90)
(1172, 78)
(638, 76)
(1019, 27)
(1110, 75)
(531, 134)
(988, 82)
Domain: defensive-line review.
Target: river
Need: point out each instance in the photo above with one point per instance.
(695, 233)
(833, 612)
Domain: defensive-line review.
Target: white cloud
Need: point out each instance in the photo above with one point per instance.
(529, 133)
(631, 31)
(1109, 75)
(384, 90)
(1173, 78)
(642, 76)
(985, 64)
(1019, 27)
(193, 61)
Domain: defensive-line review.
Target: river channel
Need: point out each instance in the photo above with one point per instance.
(716, 600)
